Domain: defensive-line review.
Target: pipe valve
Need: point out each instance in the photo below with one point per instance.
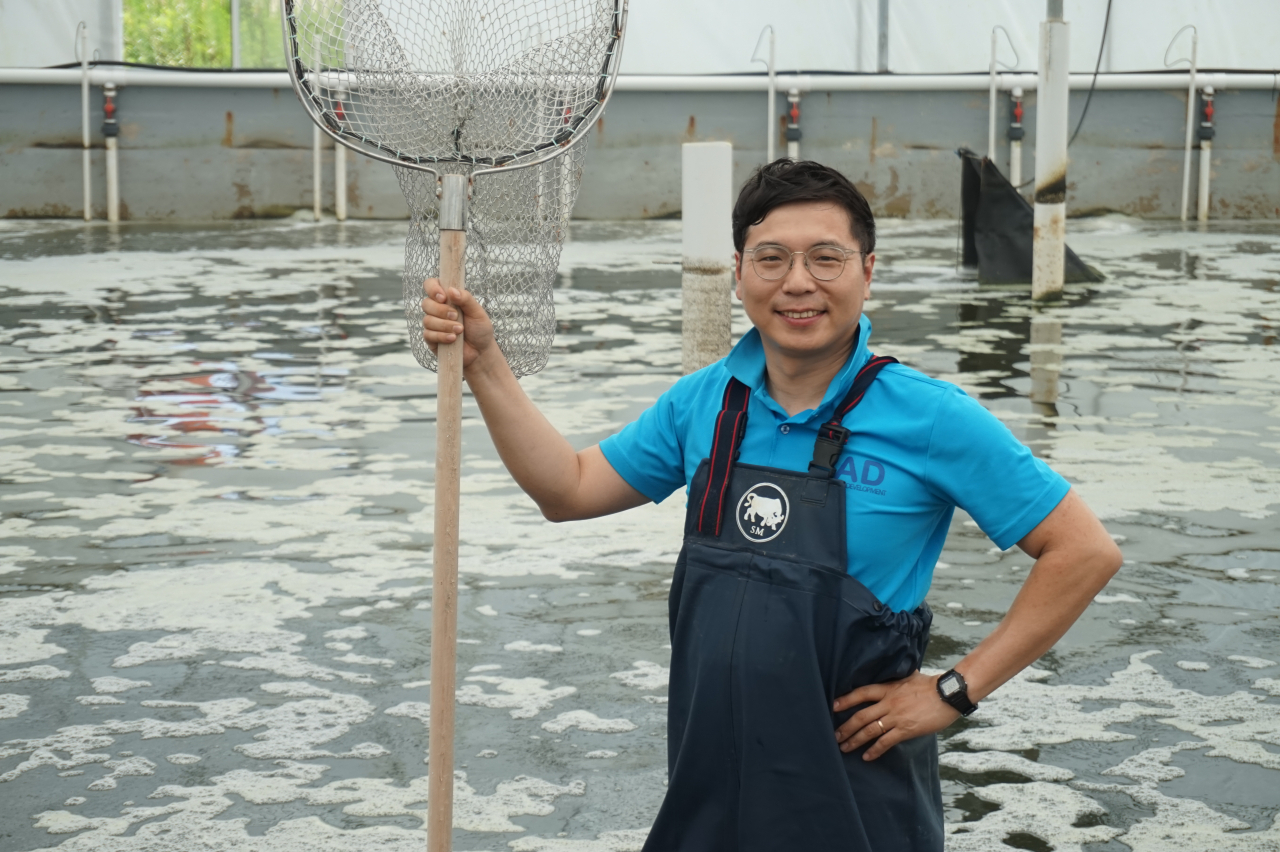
(1206, 129)
(1016, 131)
(110, 128)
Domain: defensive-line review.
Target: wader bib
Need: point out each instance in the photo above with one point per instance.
(767, 630)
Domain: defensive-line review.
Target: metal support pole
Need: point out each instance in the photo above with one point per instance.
(1046, 363)
(235, 33)
(444, 581)
(882, 39)
(317, 161)
(1050, 222)
(706, 185)
(1205, 133)
(86, 174)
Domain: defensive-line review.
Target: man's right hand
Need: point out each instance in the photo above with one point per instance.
(443, 319)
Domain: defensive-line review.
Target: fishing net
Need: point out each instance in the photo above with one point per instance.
(502, 91)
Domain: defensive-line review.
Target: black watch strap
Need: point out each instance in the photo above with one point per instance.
(954, 691)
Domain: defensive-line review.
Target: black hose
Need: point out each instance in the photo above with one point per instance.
(1106, 22)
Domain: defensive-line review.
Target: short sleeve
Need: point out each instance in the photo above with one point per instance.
(647, 452)
(975, 462)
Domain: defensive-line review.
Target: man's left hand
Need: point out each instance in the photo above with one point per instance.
(899, 710)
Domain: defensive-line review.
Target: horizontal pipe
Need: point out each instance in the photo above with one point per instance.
(125, 76)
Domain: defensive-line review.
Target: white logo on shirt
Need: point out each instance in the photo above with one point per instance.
(762, 512)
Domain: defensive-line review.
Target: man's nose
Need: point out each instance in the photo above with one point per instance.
(798, 277)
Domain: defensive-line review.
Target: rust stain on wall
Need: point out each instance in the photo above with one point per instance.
(691, 131)
(874, 128)
(227, 140)
(242, 191)
(1275, 134)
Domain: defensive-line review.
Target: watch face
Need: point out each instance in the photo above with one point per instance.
(949, 685)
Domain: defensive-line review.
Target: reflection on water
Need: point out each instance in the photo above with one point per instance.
(215, 479)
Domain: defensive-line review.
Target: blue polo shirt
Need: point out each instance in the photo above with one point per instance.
(919, 448)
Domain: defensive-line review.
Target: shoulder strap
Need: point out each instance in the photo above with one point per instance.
(731, 425)
(832, 435)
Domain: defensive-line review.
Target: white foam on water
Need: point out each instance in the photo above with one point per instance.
(33, 673)
(114, 685)
(644, 675)
(1252, 662)
(419, 710)
(1121, 597)
(486, 609)
(524, 697)
(631, 840)
(12, 706)
(136, 766)
(1193, 666)
(182, 759)
(600, 753)
(587, 721)
(1002, 761)
(588, 632)
(1044, 810)
(525, 645)
(94, 700)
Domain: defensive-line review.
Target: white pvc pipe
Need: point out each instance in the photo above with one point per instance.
(1202, 198)
(772, 123)
(316, 163)
(706, 190)
(1050, 222)
(1015, 153)
(340, 182)
(235, 33)
(86, 176)
(1191, 114)
(124, 76)
(113, 180)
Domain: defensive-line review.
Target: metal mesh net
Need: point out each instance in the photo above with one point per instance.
(496, 89)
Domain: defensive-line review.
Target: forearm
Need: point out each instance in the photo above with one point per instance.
(542, 462)
(1060, 586)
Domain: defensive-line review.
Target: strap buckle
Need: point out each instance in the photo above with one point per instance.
(827, 448)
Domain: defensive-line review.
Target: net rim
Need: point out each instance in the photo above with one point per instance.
(298, 78)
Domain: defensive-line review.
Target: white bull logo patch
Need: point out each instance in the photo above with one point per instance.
(762, 512)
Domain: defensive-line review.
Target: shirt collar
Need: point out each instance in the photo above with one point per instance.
(746, 364)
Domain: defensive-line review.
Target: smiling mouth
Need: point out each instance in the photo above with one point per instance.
(799, 314)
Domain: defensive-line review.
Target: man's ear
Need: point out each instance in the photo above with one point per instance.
(737, 274)
(868, 265)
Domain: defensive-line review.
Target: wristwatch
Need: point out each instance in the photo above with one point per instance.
(953, 690)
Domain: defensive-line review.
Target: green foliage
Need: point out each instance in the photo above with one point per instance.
(197, 33)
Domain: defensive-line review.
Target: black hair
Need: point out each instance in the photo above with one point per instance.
(789, 181)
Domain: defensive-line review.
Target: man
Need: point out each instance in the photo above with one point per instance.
(821, 484)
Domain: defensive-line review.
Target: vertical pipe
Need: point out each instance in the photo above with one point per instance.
(110, 134)
(706, 185)
(991, 102)
(86, 177)
(882, 39)
(1206, 132)
(772, 127)
(235, 33)
(793, 125)
(1050, 222)
(316, 153)
(1016, 133)
(340, 182)
(444, 581)
(340, 166)
(1046, 363)
(1191, 114)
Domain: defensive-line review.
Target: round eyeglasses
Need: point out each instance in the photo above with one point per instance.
(825, 263)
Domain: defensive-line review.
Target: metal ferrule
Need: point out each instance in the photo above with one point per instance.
(453, 202)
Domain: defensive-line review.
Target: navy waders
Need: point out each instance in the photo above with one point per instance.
(767, 630)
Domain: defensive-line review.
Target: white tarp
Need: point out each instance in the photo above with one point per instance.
(717, 36)
(39, 33)
(941, 36)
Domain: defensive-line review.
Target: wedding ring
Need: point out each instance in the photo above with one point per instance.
(881, 724)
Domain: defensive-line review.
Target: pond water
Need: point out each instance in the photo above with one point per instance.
(216, 485)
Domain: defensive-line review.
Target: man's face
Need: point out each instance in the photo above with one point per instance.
(798, 315)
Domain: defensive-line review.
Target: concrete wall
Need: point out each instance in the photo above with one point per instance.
(209, 153)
